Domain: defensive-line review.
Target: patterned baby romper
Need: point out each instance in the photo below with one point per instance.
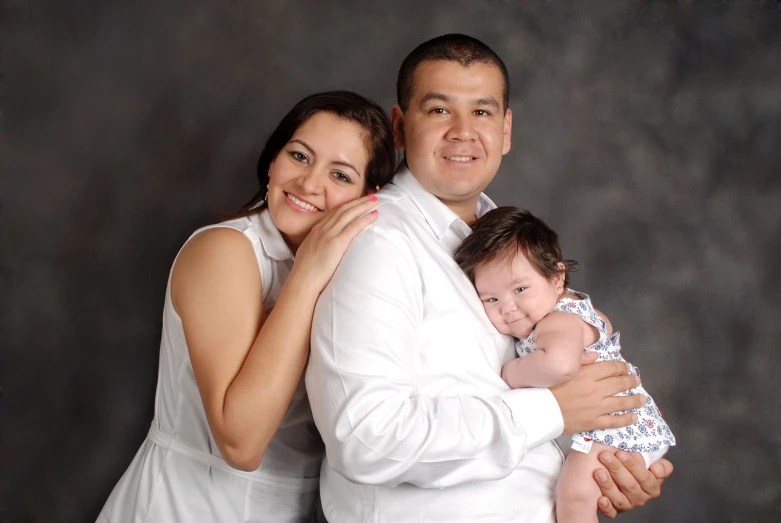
(650, 434)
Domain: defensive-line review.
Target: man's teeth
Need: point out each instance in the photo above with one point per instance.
(460, 158)
(304, 205)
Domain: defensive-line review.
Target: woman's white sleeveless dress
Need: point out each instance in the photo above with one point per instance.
(178, 474)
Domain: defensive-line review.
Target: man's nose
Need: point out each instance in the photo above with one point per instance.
(462, 128)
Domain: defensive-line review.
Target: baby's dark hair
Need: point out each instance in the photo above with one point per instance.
(506, 231)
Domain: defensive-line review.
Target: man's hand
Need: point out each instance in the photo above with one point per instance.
(628, 485)
(589, 399)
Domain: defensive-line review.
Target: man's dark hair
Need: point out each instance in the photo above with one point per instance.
(507, 231)
(459, 48)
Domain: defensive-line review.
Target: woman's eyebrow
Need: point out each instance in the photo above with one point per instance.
(306, 145)
(343, 163)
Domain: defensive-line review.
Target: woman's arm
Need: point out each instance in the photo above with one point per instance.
(246, 374)
(559, 345)
(248, 365)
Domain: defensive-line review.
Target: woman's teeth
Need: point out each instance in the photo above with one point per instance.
(302, 204)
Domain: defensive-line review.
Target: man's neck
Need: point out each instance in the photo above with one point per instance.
(467, 211)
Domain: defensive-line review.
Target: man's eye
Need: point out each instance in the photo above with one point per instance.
(438, 110)
(481, 112)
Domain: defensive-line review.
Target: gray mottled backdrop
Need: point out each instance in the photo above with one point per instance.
(647, 133)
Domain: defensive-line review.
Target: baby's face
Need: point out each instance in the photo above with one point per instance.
(515, 295)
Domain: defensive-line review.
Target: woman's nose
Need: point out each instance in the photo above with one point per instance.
(312, 181)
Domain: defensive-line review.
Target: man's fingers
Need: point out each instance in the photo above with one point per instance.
(624, 480)
(662, 469)
(606, 507)
(625, 403)
(647, 482)
(609, 489)
(605, 369)
(616, 384)
(588, 357)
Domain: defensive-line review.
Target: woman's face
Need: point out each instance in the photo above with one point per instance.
(320, 168)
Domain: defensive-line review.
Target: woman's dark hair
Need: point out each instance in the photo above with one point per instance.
(506, 231)
(344, 104)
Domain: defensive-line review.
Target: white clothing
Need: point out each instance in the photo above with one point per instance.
(405, 387)
(178, 474)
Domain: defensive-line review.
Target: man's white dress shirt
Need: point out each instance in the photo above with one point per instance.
(404, 383)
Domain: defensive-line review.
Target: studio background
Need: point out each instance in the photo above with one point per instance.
(648, 134)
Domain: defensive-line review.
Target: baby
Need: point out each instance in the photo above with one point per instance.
(515, 263)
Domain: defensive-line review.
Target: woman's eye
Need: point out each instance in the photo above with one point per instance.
(341, 176)
(299, 157)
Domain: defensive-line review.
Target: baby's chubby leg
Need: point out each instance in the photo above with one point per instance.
(576, 491)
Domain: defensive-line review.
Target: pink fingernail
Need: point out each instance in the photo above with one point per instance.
(373, 197)
(374, 211)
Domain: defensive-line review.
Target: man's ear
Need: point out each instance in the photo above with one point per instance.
(507, 131)
(397, 124)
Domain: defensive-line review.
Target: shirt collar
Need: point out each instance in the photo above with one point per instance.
(439, 217)
(271, 239)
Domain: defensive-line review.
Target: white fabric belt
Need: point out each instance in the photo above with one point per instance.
(161, 439)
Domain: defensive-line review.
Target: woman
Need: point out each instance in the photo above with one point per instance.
(233, 437)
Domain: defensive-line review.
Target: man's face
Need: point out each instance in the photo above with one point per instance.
(455, 130)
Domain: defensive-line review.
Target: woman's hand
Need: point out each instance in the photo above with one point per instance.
(322, 250)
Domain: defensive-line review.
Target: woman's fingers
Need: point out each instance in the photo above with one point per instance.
(349, 213)
(338, 218)
(357, 225)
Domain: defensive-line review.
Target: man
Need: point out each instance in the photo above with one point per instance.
(403, 378)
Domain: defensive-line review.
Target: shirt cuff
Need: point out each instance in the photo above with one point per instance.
(535, 412)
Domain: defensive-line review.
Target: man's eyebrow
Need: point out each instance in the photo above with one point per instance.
(490, 101)
(433, 95)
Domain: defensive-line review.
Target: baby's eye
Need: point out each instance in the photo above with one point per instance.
(520, 290)
(489, 300)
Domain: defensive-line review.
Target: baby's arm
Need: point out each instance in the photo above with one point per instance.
(559, 345)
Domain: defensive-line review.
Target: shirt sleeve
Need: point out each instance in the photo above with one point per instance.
(362, 385)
